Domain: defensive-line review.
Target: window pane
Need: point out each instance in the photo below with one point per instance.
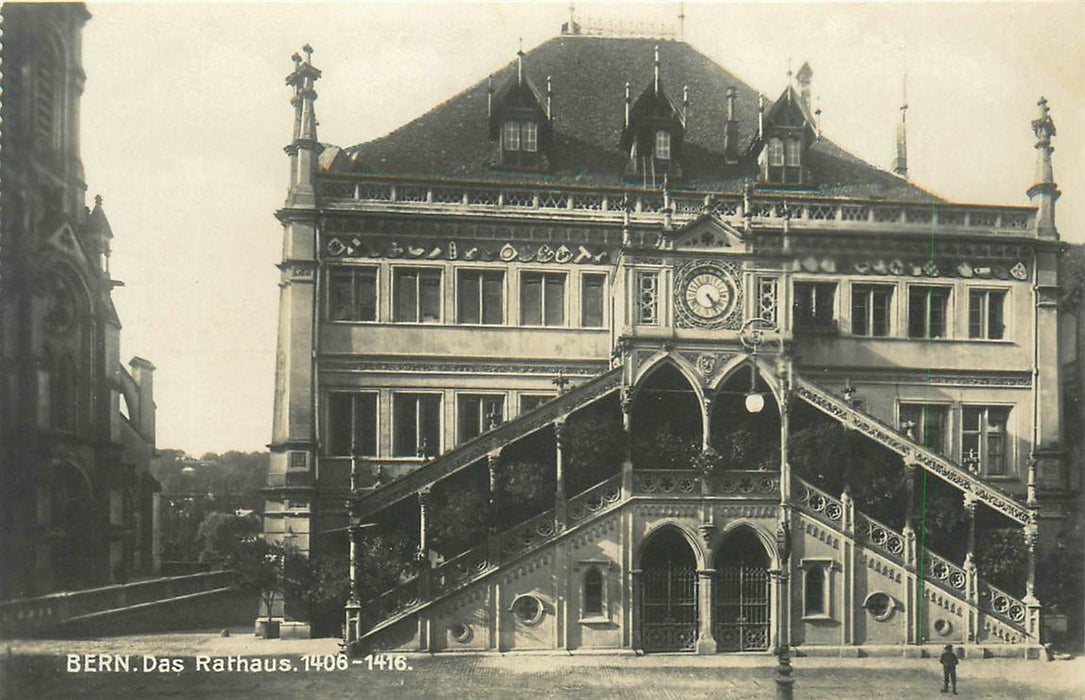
(365, 295)
(776, 152)
(995, 324)
(593, 592)
(406, 444)
(365, 425)
(429, 421)
(995, 463)
(512, 136)
(823, 304)
(970, 418)
(910, 412)
(531, 137)
(430, 291)
(938, 300)
(531, 299)
(470, 417)
(917, 312)
(555, 300)
(591, 302)
(406, 283)
(976, 302)
(493, 293)
(663, 145)
(794, 150)
(860, 301)
(880, 311)
(339, 419)
(815, 591)
(339, 295)
(468, 301)
(934, 428)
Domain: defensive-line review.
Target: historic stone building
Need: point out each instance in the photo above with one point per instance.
(619, 229)
(77, 426)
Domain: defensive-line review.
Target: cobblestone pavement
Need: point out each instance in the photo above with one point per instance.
(39, 669)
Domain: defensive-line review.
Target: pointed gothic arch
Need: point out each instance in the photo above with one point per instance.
(667, 417)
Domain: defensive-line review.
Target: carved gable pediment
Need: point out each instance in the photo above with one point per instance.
(708, 233)
(64, 240)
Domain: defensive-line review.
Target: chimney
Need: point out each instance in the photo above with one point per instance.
(1044, 188)
(803, 78)
(730, 129)
(143, 374)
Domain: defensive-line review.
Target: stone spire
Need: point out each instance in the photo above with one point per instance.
(304, 148)
(900, 164)
(1044, 187)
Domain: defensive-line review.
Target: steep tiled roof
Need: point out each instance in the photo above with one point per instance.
(588, 76)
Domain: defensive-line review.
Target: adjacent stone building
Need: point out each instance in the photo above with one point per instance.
(77, 427)
(621, 227)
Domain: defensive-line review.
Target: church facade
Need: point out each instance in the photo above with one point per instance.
(642, 285)
(77, 426)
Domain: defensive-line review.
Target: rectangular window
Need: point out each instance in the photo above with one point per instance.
(418, 295)
(352, 294)
(928, 424)
(542, 299)
(530, 135)
(647, 298)
(814, 305)
(417, 419)
(927, 310)
(985, 314)
(352, 424)
(815, 590)
(592, 295)
(481, 296)
(776, 152)
(663, 145)
(983, 439)
(794, 152)
(870, 309)
(478, 414)
(512, 136)
(529, 402)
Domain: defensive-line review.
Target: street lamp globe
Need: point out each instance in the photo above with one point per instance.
(755, 402)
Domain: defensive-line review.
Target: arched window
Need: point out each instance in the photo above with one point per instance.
(776, 152)
(593, 593)
(63, 399)
(663, 145)
(48, 94)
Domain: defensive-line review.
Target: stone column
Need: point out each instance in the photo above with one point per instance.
(706, 424)
(559, 468)
(970, 573)
(627, 429)
(706, 638)
(423, 540)
(784, 682)
(353, 631)
(637, 586)
(493, 459)
(1031, 535)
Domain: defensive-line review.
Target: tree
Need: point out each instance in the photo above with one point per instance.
(270, 570)
(220, 535)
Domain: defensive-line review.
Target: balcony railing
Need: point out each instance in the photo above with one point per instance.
(364, 192)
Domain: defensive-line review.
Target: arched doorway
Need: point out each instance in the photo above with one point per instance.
(71, 503)
(668, 610)
(742, 593)
(667, 422)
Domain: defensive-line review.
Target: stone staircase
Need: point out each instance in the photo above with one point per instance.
(993, 615)
(912, 452)
(477, 448)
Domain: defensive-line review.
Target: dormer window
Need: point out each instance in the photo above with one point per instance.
(520, 123)
(663, 145)
(794, 153)
(788, 131)
(776, 153)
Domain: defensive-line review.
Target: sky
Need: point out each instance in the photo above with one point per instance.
(186, 113)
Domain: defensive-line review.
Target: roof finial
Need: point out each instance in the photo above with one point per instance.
(657, 69)
(308, 53)
(1044, 186)
(760, 115)
(817, 118)
(789, 79)
(628, 98)
(685, 103)
(490, 96)
(520, 63)
(681, 21)
(549, 95)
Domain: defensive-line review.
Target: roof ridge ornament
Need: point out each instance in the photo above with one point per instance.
(1044, 186)
(656, 69)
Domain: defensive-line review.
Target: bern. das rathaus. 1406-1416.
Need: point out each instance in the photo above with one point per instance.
(620, 353)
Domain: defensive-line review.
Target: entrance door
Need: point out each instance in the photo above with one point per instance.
(741, 592)
(668, 594)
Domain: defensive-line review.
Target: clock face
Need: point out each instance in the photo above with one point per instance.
(708, 295)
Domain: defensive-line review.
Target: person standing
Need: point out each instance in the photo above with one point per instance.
(949, 669)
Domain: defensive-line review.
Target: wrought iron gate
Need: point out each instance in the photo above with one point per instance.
(741, 621)
(669, 608)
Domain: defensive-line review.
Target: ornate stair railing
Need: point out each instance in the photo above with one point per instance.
(1009, 613)
(477, 563)
(935, 463)
(477, 448)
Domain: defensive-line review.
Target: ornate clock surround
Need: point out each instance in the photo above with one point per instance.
(729, 273)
